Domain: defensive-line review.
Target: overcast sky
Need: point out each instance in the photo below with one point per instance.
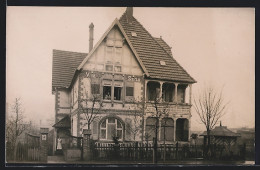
(215, 45)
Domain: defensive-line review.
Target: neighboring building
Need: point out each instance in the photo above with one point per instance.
(221, 135)
(125, 67)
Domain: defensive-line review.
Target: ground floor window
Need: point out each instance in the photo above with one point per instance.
(167, 129)
(111, 127)
(182, 129)
(150, 128)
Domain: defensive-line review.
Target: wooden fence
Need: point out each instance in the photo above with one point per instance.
(27, 149)
(144, 152)
(24, 152)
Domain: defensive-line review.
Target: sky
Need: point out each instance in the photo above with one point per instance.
(216, 46)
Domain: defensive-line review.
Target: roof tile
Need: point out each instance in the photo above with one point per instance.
(151, 50)
(63, 67)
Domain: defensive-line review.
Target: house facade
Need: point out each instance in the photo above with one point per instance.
(126, 82)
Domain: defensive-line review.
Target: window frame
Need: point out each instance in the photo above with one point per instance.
(116, 122)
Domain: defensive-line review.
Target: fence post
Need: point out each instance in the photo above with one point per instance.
(44, 144)
(86, 144)
(177, 150)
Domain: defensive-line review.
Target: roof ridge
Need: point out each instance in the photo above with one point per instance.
(165, 50)
(69, 51)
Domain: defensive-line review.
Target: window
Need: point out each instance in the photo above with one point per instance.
(95, 88)
(107, 92)
(117, 93)
(182, 129)
(111, 127)
(117, 68)
(167, 129)
(129, 91)
(150, 127)
(109, 67)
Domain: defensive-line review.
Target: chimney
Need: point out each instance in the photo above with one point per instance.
(129, 14)
(91, 36)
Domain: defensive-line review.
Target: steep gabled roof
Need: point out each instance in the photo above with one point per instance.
(64, 65)
(151, 52)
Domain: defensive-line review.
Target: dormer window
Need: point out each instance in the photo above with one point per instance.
(162, 63)
(133, 34)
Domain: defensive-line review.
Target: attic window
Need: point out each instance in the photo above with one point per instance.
(133, 34)
(162, 63)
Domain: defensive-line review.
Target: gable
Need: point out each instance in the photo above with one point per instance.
(113, 54)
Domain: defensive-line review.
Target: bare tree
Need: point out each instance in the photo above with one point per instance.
(90, 106)
(159, 109)
(210, 106)
(15, 125)
(136, 125)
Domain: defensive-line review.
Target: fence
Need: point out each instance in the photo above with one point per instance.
(169, 152)
(27, 149)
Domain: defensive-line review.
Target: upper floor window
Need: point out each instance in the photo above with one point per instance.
(107, 92)
(95, 88)
(109, 67)
(129, 91)
(117, 93)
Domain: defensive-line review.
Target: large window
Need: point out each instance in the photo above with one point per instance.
(167, 129)
(150, 128)
(182, 129)
(111, 127)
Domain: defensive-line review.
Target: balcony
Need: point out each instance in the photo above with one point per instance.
(169, 108)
